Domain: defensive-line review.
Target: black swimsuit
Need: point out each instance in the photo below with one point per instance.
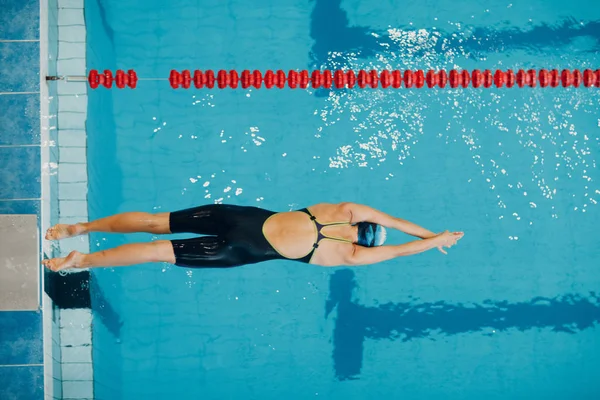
(235, 236)
(320, 235)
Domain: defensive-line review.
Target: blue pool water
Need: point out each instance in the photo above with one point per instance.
(512, 312)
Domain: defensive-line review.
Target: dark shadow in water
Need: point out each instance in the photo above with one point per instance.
(108, 30)
(543, 35)
(104, 310)
(105, 183)
(67, 290)
(331, 33)
(409, 321)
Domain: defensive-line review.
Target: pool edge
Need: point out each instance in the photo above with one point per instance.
(68, 368)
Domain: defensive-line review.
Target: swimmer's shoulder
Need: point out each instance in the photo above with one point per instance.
(320, 210)
(331, 211)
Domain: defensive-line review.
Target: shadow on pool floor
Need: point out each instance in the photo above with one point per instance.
(411, 321)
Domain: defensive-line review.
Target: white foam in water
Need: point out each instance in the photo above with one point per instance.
(389, 123)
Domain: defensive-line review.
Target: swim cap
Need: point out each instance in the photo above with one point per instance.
(370, 234)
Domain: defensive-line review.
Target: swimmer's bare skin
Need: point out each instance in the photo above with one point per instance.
(128, 254)
(73, 260)
(63, 231)
(136, 253)
(291, 233)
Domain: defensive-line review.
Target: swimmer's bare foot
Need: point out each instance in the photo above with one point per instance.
(63, 231)
(73, 260)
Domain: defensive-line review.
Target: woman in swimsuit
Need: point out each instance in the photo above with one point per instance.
(324, 234)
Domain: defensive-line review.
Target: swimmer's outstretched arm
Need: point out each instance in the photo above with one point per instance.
(372, 255)
(362, 213)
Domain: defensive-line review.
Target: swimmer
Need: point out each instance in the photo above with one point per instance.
(329, 235)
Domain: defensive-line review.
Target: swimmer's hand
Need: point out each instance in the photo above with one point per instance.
(447, 239)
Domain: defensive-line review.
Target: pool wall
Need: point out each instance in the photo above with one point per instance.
(73, 375)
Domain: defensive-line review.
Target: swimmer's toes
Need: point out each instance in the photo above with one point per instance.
(50, 264)
(73, 260)
(49, 234)
(57, 232)
(63, 231)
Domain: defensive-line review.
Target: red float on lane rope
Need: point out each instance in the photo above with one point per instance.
(363, 79)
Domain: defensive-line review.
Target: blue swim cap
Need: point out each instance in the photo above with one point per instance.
(370, 234)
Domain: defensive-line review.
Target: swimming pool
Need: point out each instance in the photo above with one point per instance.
(510, 312)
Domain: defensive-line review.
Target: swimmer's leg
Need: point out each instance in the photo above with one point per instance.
(211, 252)
(128, 254)
(128, 222)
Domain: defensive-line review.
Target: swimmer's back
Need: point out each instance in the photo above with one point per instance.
(293, 233)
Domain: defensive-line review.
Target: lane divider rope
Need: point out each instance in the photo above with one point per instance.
(350, 79)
